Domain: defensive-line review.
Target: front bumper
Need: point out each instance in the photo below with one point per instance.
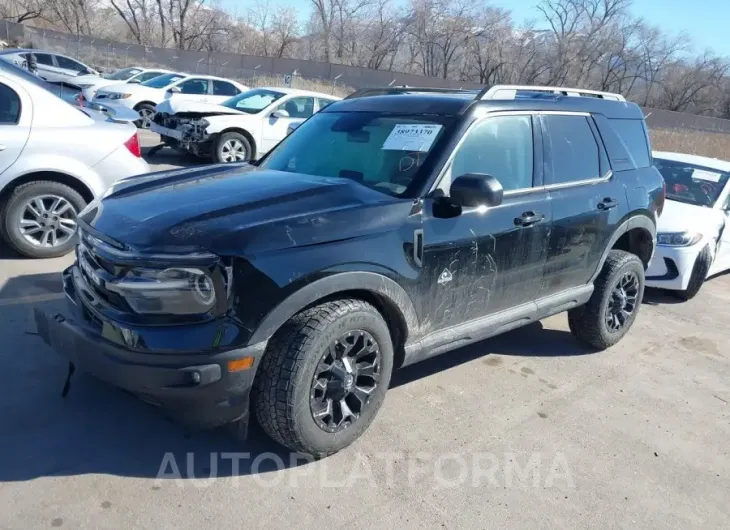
(671, 267)
(195, 389)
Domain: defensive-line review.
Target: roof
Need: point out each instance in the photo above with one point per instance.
(711, 163)
(456, 102)
(299, 92)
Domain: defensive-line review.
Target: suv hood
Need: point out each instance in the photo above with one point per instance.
(679, 216)
(193, 109)
(232, 210)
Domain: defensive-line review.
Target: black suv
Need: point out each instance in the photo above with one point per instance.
(392, 226)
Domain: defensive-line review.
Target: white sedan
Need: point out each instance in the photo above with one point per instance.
(175, 87)
(90, 84)
(693, 239)
(242, 128)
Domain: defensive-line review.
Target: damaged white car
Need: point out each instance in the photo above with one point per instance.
(244, 127)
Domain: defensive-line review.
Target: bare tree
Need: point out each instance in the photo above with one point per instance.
(21, 10)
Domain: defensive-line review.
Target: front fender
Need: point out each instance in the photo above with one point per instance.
(340, 282)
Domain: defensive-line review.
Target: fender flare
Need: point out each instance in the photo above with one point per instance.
(637, 221)
(337, 283)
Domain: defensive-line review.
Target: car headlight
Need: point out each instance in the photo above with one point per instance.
(119, 96)
(678, 239)
(172, 291)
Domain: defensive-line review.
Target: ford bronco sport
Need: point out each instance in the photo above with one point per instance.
(393, 226)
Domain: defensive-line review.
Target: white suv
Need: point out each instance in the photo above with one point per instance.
(175, 86)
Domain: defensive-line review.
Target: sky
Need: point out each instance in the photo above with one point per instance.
(706, 21)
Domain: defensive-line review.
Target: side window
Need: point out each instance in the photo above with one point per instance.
(500, 146)
(69, 64)
(221, 88)
(9, 106)
(146, 76)
(302, 107)
(196, 87)
(44, 58)
(325, 102)
(572, 147)
(633, 136)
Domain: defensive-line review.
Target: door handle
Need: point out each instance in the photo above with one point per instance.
(529, 218)
(607, 204)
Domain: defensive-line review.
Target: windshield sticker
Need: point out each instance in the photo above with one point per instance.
(701, 174)
(411, 137)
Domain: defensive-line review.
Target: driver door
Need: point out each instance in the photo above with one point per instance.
(195, 89)
(275, 128)
(722, 257)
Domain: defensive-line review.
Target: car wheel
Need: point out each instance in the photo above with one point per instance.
(231, 147)
(324, 377)
(146, 112)
(614, 304)
(699, 273)
(39, 219)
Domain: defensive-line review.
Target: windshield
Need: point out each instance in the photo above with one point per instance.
(381, 151)
(253, 101)
(123, 74)
(163, 80)
(691, 183)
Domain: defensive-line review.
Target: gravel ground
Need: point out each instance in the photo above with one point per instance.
(526, 429)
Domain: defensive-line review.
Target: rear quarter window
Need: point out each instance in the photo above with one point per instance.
(632, 134)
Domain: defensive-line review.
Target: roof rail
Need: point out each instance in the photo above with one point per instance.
(364, 92)
(510, 92)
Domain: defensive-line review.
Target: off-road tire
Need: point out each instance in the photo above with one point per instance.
(699, 273)
(9, 210)
(217, 147)
(588, 323)
(281, 392)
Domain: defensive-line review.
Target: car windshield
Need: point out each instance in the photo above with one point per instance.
(253, 101)
(163, 80)
(690, 183)
(381, 151)
(123, 74)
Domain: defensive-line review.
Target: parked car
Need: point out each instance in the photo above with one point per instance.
(90, 84)
(174, 86)
(53, 67)
(693, 242)
(54, 159)
(384, 230)
(241, 128)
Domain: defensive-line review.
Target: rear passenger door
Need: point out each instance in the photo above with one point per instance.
(194, 89)
(487, 259)
(47, 68)
(588, 200)
(223, 90)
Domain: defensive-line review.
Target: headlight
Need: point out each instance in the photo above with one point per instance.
(173, 291)
(119, 96)
(678, 239)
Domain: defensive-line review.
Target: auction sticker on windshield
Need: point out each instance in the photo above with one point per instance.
(701, 174)
(411, 137)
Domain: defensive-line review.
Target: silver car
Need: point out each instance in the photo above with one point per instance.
(53, 67)
(54, 159)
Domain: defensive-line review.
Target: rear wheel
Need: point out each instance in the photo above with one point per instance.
(699, 273)
(39, 219)
(324, 377)
(614, 304)
(146, 113)
(232, 147)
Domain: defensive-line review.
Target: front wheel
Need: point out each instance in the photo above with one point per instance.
(610, 312)
(324, 377)
(39, 219)
(146, 113)
(231, 147)
(699, 273)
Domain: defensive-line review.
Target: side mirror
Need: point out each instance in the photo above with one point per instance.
(134, 81)
(281, 113)
(476, 189)
(174, 90)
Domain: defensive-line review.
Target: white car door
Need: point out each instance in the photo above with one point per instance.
(47, 68)
(222, 90)
(192, 89)
(722, 257)
(276, 123)
(15, 118)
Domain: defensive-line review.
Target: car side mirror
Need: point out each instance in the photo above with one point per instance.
(174, 90)
(281, 113)
(134, 81)
(476, 189)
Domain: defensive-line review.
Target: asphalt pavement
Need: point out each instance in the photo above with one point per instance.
(524, 430)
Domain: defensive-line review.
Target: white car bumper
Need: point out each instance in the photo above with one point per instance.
(671, 267)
